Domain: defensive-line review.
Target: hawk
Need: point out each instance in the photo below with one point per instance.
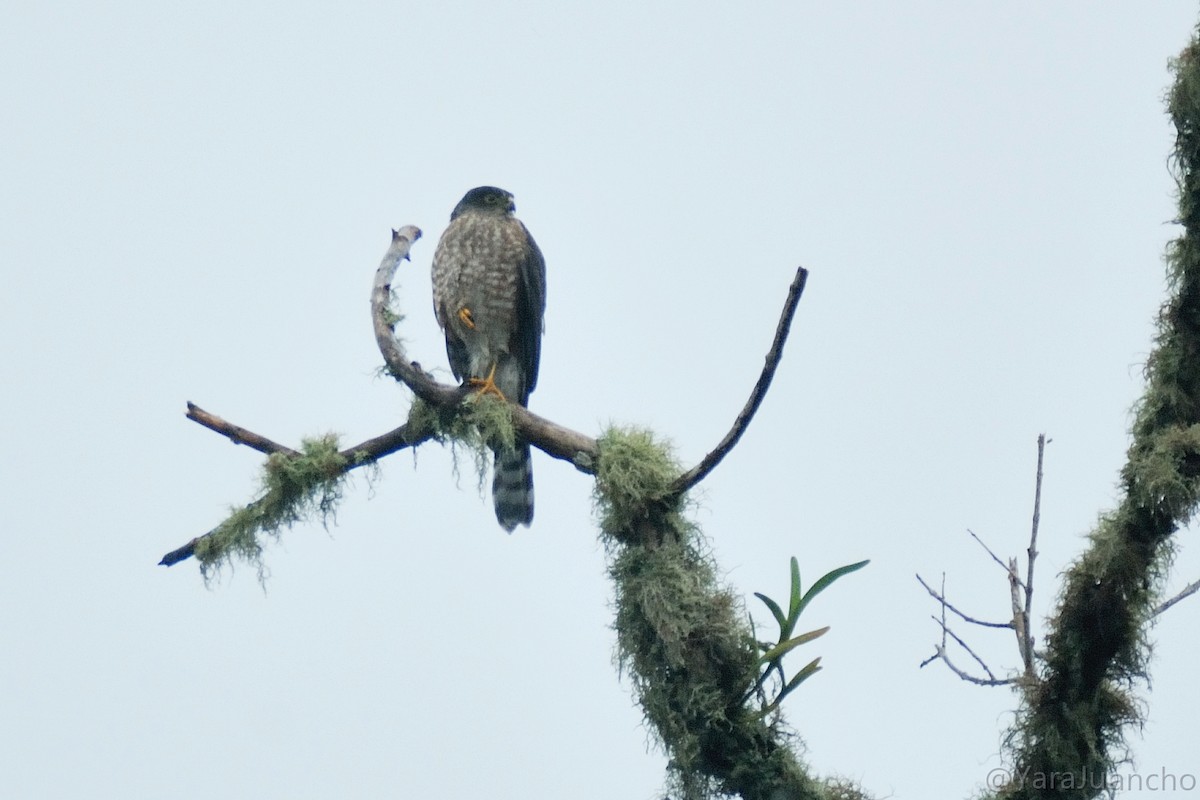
(489, 295)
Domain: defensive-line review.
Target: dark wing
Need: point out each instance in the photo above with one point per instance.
(531, 311)
(456, 351)
(447, 260)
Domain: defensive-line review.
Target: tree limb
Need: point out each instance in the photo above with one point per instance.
(1020, 618)
(1187, 592)
(360, 455)
(235, 433)
(549, 437)
(1095, 650)
(383, 320)
(697, 473)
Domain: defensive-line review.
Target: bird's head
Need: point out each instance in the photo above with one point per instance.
(485, 199)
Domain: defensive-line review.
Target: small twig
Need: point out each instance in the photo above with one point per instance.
(946, 630)
(235, 433)
(697, 473)
(964, 617)
(1188, 591)
(942, 622)
(995, 557)
(941, 655)
(939, 651)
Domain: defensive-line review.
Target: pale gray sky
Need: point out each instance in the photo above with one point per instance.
(195, 198)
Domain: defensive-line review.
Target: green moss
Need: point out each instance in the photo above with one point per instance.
(422, 417)
(294, 488)
(1075, 715)
(484, 422)
(476, 426)
(633, 484)
(844, 789)
(682, 638)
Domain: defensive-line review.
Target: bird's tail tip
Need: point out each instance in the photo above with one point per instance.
(512, 488)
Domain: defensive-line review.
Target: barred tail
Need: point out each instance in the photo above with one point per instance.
(512, 487)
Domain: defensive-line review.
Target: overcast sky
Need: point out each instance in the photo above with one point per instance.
(195, 197)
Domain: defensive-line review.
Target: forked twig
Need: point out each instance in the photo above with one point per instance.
(964, 617)
(1021, 597)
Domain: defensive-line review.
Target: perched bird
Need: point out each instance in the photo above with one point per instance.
(489, 295)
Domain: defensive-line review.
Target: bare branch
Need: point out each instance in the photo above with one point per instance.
(1188, 591)
(697, 473)
(939, 651)
(941, 655)
(236, 434)
(1021, 594)
(383, 320)
(1020, 617)
(966, 618)
(1032, 555)
(967, 647)
(995, 557)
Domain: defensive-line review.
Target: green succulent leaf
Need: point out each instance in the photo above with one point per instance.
(828, 579)
(776, 611)
(810, 669)
(783, 648)
(795, 600)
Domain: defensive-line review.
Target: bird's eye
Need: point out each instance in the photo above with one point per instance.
(490, 199)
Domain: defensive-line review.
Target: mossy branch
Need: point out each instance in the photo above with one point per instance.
(295, 483)
(1076, 713)
(684, 639)
(444, 414)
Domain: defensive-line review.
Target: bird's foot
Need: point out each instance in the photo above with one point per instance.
(467, 318)
(488, 385)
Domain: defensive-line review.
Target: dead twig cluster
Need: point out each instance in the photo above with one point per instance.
(1021, 597)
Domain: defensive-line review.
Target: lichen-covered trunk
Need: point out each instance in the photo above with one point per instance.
(1075, 714)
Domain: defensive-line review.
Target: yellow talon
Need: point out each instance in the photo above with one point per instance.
(488, 385)
(467, 319)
